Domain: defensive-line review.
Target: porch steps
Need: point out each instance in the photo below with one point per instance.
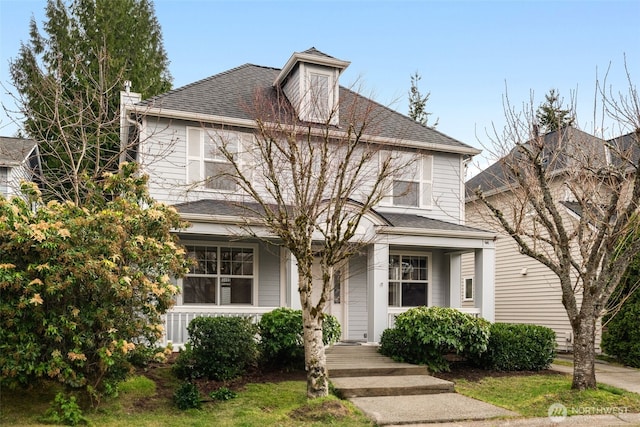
(360, 371)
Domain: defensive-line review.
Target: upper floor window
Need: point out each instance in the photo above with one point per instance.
(220, 275)
(413, 182)
(205, 161)
(408, 280)
(319, 95)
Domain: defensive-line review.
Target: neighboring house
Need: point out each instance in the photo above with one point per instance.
(420, 234)
(526, 291)
(19, 161)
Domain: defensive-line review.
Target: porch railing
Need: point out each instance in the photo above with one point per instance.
(177, 320)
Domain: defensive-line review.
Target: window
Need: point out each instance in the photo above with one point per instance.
(337, 287)
(220, 275)
(319, 92)
(468, 289)
(412, 185)
(4, 181)
(205, 161)
(408, 280)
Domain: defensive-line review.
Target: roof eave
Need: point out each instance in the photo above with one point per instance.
(248, 123)
(428, 232)
(313, 59)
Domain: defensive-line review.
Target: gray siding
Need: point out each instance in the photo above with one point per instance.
(439, 279)
(447, 177)
(163, 156)
(292, 88)
(269, 276)
(357, 299)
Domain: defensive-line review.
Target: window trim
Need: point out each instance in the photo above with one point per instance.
(464, 289)
(401, 253)
(421, 179)
(202, 159)
(307, 92)
(218, 245)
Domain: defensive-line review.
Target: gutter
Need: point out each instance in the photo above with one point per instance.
(248, 123)
(458, 234)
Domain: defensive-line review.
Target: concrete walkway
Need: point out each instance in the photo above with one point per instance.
(606, 373)
(389, 392)
(398, 394)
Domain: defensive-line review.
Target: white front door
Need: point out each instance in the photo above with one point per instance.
(336, 305)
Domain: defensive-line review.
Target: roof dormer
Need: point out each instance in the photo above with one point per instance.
(310, 80)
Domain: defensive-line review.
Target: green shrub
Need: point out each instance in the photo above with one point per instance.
(187, 396)
(222, 394)
(64, 411)
(519, 347)
(424, 335)
(621, 337)
(281, 337)
(219, 348)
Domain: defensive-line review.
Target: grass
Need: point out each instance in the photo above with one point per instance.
(145, 401)
(532, 395)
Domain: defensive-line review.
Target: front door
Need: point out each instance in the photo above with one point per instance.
(336, 305)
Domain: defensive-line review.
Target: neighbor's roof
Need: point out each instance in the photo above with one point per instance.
(230, 93)
(14, 151)
(497, 178)
(248, 210)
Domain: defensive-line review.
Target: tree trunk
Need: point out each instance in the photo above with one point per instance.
(584, 354)
(314, 357)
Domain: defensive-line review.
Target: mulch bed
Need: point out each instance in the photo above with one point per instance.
(461, 370)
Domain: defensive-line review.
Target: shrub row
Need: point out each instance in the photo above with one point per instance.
(426, 335)
(222, 348)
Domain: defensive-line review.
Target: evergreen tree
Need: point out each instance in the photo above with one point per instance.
(418, 103)
(550, 114)
(68, 79)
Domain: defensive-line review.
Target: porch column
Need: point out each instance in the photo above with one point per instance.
(455, 280)
(485, 282)
(378, 290)
(290, 297)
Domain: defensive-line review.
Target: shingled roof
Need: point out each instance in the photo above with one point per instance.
(497, 177)
(230, 93)
(248, 210)
(14, 151)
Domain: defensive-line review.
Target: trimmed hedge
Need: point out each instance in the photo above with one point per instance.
(281, 337)
(424, 335)
(518, 347)
(219, 348)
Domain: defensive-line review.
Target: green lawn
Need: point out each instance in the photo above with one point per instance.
(146, 401)
(142, 403)
(532, 395)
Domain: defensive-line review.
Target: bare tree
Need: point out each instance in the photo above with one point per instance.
(570, 201)
(310, 185)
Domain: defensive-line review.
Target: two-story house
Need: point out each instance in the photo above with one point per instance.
(419, 232)
(19, 161)
(526, 291)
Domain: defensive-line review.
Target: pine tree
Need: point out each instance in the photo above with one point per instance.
(550, 114)
(418, 102)
(68, 79)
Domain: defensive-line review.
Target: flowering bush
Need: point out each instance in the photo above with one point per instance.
(83, 286)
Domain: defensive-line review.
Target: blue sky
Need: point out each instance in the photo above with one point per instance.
(469, 53)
